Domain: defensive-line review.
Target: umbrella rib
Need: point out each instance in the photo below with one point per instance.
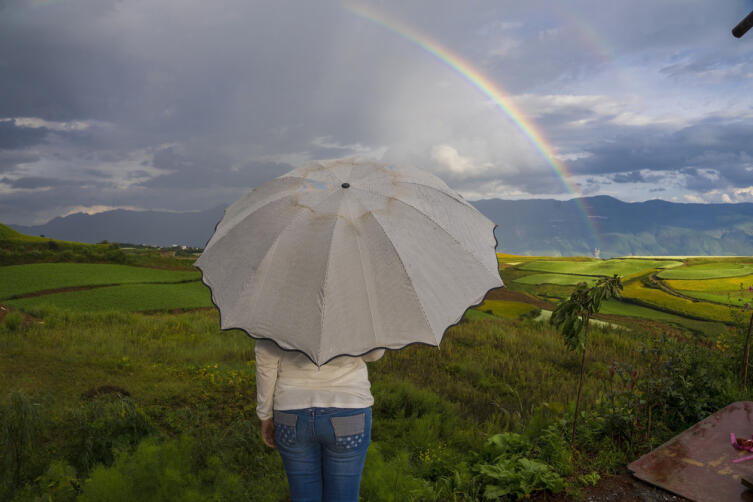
(247, 212)
(462, 201)
(434, 222)
(272, 247)
(410, 279)
(363, 275)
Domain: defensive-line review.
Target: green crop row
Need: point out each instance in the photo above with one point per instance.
(23, 279)
(623, 267)
(126, 297)
(709, 271)
(561, 279)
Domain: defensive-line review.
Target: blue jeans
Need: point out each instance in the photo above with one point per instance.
(323, 451)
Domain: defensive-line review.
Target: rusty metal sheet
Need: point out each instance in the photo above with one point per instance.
(697, 464)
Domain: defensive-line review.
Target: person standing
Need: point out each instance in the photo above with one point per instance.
(318, 418)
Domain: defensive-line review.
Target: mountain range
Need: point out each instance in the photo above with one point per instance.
(588, 226)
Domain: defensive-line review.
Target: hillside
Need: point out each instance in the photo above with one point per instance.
(655, 227)
(525, 227)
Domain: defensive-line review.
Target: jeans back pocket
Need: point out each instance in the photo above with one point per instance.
(350, 432)
(285, 427)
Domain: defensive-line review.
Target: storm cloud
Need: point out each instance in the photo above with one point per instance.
(172, 105)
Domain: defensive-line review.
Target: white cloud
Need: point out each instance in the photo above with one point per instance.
(450, 160)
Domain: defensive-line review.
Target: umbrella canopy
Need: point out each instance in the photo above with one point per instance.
(343, 257)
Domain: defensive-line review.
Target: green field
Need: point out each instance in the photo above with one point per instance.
(561, 279)
(188, 429)
(725, 297)
(23, 279)
(709, 271)
(709, 329)
(506, 309)
(126, 297)
(624, 267)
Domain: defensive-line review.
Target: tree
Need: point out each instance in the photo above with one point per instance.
(573, 315)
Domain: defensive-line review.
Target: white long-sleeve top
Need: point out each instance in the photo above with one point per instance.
(290, 381)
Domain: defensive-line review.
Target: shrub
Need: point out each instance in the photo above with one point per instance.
(102, 428)
(20, 428)
(162, 471)
(13, 321)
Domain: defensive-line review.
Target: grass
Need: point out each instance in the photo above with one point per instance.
(433, 407)
(561, 279)
(624, 267)
(23, 279)
(709, 271)
(8, 234)
(126, 298)
(506, 309)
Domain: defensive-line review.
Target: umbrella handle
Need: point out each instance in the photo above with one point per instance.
(743, 26)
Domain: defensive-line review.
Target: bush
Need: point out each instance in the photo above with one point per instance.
(20, 428)
(163, 471)
(101, 428)
(13, 321)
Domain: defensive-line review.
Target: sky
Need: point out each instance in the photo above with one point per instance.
(183, 105)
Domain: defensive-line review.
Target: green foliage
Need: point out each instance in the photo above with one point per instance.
(163, 471)
(507, 471)
(101, 428)
(390, 480)
(572, 315)
(59, 483)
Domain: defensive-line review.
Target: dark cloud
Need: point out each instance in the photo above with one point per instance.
(219, 100)
(32, 182)
(712, 144)
(203, 170)
(10, 159)
(630, 177)
(14, 137)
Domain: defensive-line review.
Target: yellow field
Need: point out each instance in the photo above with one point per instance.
(662, 300)
(719, 284)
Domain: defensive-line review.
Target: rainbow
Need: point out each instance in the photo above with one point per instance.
(489, 89)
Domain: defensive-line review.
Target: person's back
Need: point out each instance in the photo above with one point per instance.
(319, 418)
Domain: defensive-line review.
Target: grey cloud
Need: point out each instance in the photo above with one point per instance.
(13, 137)
(630, 177)
(31, 182)
(10, 159)
(206, 170)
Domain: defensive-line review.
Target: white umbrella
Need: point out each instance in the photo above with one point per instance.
(342, 257)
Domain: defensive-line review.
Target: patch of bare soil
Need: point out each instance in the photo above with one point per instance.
(616, 488)
(517, 296)
(61, 290)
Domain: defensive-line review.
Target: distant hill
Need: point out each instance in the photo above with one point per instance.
(655, 227)
(535, 226)
(137, 227)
